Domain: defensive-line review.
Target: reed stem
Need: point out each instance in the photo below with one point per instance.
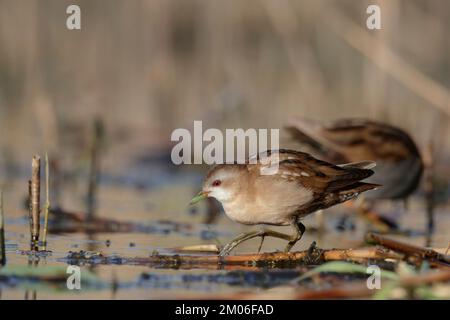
(35, 200)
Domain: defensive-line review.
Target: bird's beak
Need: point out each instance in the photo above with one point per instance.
(200, 196)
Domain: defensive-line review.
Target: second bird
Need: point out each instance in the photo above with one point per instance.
(399, 164)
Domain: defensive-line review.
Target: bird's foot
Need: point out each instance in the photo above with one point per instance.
(289, 246)
(250, 235)
(261, 243)
(227, 248)
(314, 255)
(236, 241)
(299, 231)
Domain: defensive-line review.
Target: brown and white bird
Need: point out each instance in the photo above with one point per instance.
(399, 164)
(300, 185)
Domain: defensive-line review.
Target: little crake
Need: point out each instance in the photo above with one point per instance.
(300, 186)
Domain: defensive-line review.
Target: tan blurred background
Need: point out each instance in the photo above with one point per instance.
(148, 67)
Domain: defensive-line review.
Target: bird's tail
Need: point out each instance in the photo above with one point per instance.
(358, 165)
(345, 193)
(353, 190)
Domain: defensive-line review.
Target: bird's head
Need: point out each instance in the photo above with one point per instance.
(221, 182)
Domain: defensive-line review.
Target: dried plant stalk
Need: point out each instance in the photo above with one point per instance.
(273, 259)
(35, 199)
(421, 253)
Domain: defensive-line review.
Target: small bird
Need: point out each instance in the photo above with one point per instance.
(300, 185)
(399, 163)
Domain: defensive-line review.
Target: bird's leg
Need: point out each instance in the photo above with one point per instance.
(261, 243)
(364, 208)
(299, 231)
(250, 235)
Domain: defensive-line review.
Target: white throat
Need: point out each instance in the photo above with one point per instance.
(221, 194)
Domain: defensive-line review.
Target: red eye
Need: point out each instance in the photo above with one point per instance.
(216, 183)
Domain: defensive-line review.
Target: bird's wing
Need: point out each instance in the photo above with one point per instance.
(334, 135)
(322, 184)
(311, 173)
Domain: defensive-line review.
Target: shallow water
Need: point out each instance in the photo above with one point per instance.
(159, 206)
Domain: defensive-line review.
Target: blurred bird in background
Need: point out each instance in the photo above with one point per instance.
(399, 163)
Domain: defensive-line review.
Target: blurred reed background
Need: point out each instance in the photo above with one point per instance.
(148, 67)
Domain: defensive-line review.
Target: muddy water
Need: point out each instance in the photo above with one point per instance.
(161, 207)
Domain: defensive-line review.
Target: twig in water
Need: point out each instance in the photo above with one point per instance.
(47, 202)
(2, 232)
(411, 251)
(210, 248)
(264, 260)
(35, 200)
(427, 278)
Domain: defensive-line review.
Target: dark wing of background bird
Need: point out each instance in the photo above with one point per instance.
(354, 140)
(379, 140)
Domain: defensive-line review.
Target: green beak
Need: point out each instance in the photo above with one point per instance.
(200, 196)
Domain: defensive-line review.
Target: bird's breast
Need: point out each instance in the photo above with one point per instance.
(267, 205)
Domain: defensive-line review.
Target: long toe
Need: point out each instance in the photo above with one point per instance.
(288, 247)
(226, 249)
